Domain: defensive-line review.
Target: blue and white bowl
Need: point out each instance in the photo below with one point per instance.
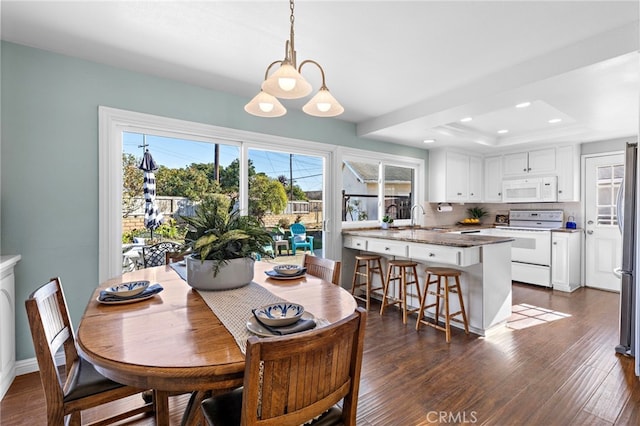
(288, 269)
(279, 314)
(128, 289)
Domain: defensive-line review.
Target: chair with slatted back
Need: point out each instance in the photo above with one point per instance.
(155, 255)
(78, 386)
(326, 269)
(289, 380)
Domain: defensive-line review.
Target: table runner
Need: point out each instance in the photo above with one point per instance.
(234, 307)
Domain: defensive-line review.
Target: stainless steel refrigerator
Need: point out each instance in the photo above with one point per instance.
(627, 218)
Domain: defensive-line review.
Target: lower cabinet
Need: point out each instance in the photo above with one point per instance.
(7, 323)
(565, 260)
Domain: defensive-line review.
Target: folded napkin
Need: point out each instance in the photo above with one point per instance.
(152, 289)
(273, 273)
(296, 327)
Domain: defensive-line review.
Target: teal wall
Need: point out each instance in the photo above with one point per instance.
(49, 159)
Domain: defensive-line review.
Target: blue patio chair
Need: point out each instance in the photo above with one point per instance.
(299, 238)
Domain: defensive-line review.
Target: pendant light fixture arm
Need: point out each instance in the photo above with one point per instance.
(318, 65)
(266, 73)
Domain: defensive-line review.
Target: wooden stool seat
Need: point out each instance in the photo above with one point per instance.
(371, 264)
(443, 289)
(402, 271)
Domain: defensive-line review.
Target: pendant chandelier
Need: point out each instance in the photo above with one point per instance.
(288, 83)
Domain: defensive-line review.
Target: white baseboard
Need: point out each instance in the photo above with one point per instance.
(30, 365)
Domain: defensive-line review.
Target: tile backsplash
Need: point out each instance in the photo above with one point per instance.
(459, 211)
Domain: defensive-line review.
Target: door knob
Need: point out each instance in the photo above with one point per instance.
(589, 232)
(590, 222)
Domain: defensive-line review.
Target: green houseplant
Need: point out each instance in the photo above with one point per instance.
(223, 244)
(386, 221)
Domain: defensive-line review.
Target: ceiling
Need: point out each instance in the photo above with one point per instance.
(404, 71)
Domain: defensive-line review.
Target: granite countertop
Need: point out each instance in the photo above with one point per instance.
(437, 236)
(568, 230)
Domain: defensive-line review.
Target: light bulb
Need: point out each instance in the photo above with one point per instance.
(286, 83)
(265, 106)
(323, 106)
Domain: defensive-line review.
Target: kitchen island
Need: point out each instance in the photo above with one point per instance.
(485, 263)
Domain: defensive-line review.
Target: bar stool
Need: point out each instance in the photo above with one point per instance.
(371, 265)
(402, 271)
(444, 288)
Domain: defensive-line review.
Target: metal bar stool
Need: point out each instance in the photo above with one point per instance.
(371, 265)
(402, 271)
(444, 288)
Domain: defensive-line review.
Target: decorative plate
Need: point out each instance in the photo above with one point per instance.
(128, 289)
(254, 326)
(279, 314)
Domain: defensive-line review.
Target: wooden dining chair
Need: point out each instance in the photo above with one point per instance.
(289, 380)
(326, 269)
(173, 256)
(78, 386)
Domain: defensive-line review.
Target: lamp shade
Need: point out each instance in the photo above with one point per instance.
(287, 83)
(323, 104)
(265, 105)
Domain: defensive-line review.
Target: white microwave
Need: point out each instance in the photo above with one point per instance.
(530, 190)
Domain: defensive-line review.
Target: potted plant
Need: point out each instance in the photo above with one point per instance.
(386, 221)
(475, 215)
(223, 245)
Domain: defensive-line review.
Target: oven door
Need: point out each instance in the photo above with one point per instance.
(529, 245)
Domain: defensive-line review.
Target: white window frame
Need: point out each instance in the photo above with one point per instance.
(384, 159)
(113, 122)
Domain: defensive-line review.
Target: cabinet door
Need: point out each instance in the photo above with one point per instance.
(560, 260)
(475, 179)
(568, 175)
(493, 179)
(515, 164)
(542, 161)
(457, 177)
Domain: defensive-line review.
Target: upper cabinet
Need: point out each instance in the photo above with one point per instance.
(540, 161)
(493, 179)
(454, 177)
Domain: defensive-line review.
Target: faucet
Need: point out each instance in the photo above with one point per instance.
(413, 220)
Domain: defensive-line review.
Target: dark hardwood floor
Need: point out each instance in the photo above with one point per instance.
(553, 365)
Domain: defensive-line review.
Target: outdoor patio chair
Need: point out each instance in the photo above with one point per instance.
(77, 386)
(299, 238)
(155, 255)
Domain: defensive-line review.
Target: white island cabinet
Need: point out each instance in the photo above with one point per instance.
(7, 322)
(485, 263)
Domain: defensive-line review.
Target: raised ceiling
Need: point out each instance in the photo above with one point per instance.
(404, 71)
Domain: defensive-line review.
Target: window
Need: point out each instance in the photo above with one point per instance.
(373, 187)
(609, 178)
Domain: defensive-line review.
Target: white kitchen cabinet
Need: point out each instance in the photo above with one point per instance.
(565, 260)
(540, 161)
(493, 179)
(568, 161)
(7, 322)
(454, 177)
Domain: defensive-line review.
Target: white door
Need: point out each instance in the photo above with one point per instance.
(603, 243)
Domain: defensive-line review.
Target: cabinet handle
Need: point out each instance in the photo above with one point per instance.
(432, 255)
(589, 232)
(524, 170)
(386, 249)
(357, 244)
(529, 169)
(560, 191)
(555, 243)
(459, 193)
(471, 194)
(500, 194)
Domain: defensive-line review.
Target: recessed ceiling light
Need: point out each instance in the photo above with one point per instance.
(464, 120)
(555, 120)
(429, 140)
(523, 104)
(503, 131)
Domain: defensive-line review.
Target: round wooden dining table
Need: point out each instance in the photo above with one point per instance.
(174, 343)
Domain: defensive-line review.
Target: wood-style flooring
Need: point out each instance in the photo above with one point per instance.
(554, 364)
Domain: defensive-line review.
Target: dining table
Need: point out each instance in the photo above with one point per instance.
(174, 343)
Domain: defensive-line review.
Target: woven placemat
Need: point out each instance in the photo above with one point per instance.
(234, 307)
